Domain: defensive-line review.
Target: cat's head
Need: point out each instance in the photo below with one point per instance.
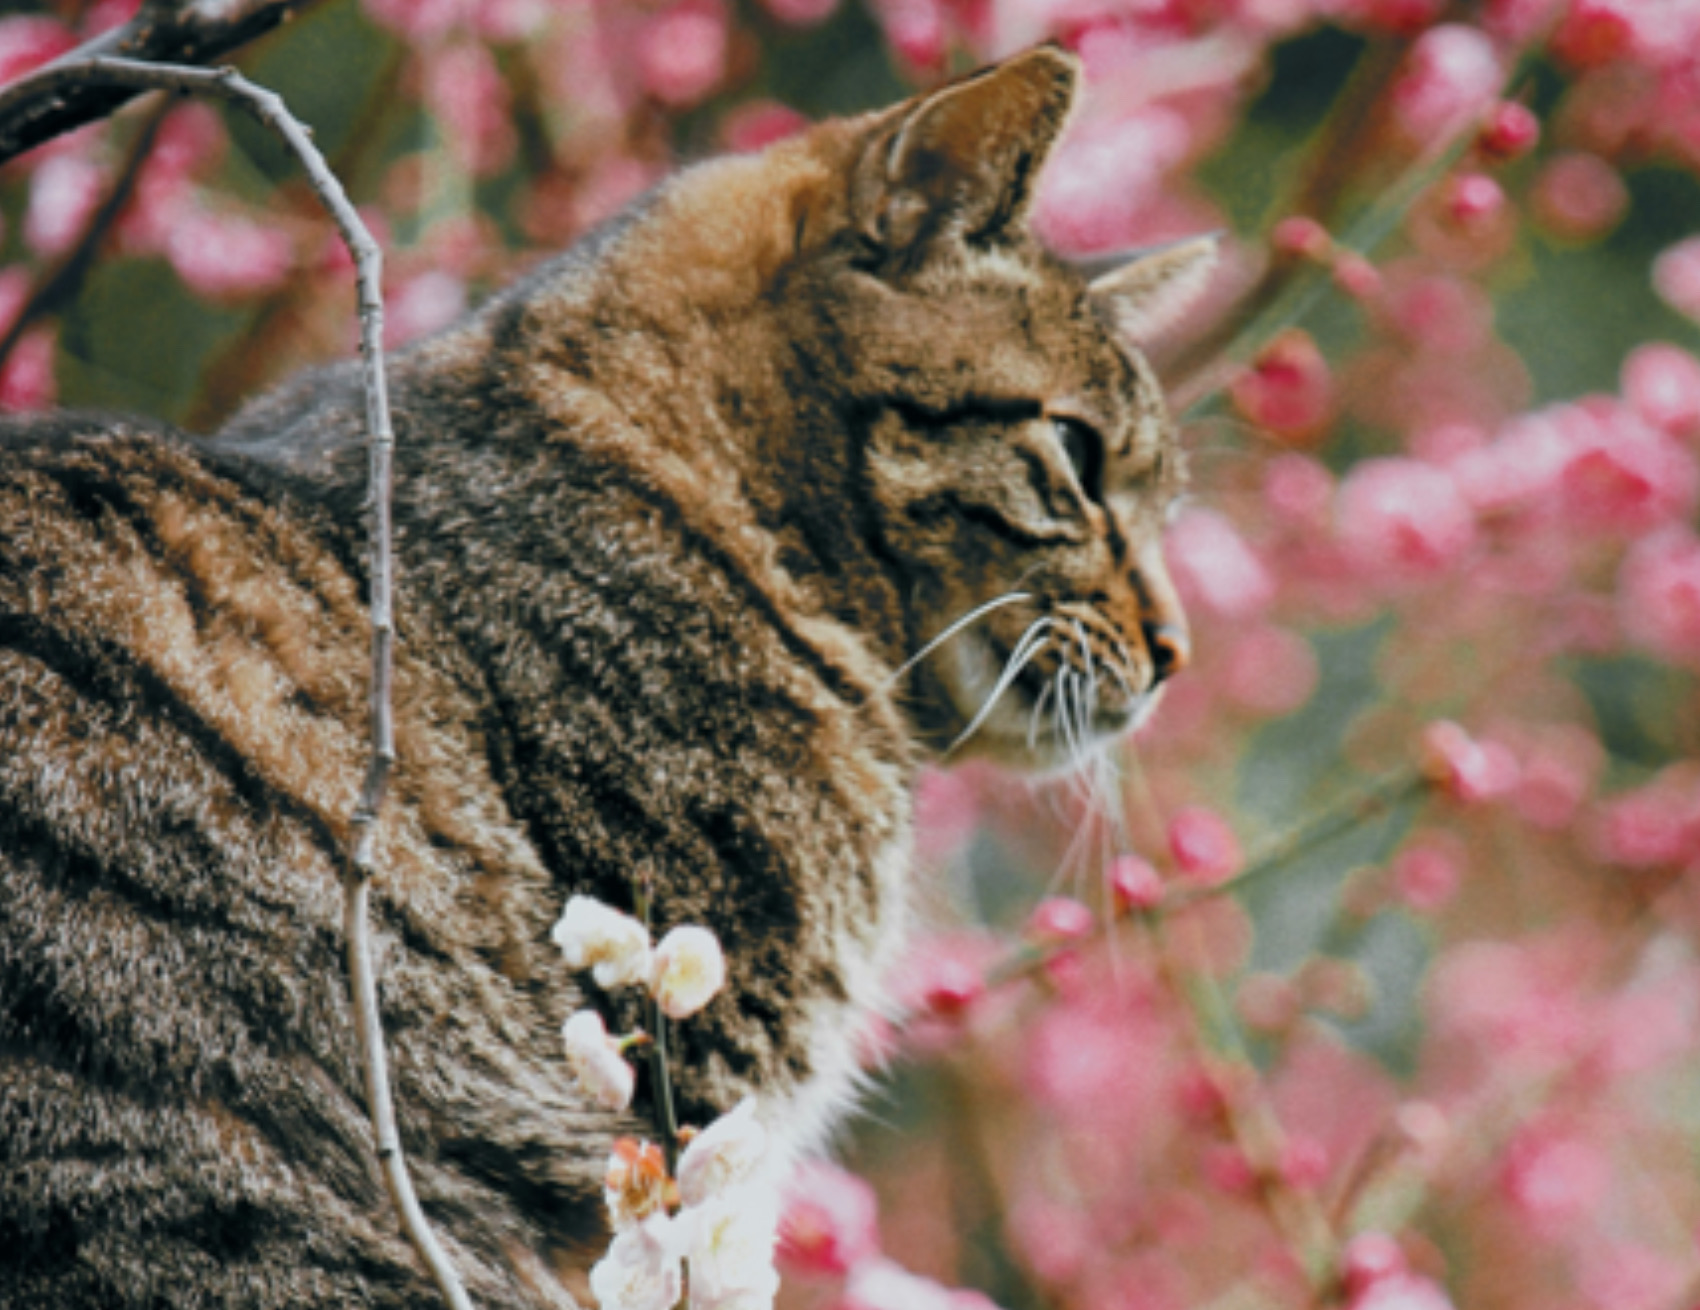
(1016, 455)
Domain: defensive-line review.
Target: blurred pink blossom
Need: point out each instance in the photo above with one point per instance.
(1662, 383)
(1134, 883)
(1658, 824)
(1555, 1176)
(226, 257)
(1059, 919)
(758, 124)
(1214, 566)
(1676, 277)
(829, 1225)
(1427, 875)
(1403, 520)
(28, 41)
(468, 96)
(1578, 196)
(422, 305)
(1288, 389)
(26, 378)
(801, 13)
(65, 192)
(1401, 1292)
(1468, 769)
(1451, 77)
(1658, 592)
(1510, 131)
(1204, 847)
(682, 51)
(1270, 670)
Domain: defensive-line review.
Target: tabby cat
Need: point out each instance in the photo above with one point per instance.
(672, 515)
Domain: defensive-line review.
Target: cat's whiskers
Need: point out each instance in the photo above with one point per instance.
(1038, 712)
(1033, 641)
(973, 615)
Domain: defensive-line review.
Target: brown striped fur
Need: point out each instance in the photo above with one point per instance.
(670, 516)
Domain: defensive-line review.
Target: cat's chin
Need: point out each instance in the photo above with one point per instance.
(1014, 720)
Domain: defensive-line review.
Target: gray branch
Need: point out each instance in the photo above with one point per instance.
(61, 81)
(163, 32)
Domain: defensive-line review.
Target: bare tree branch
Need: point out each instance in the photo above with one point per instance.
(63, 79)
(163, 31)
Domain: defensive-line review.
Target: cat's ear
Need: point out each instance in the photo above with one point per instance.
(1148, 294)
(964, 160)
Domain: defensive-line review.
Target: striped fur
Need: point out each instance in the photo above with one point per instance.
(669, 516)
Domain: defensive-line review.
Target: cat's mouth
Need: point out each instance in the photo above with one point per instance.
(1046, 703)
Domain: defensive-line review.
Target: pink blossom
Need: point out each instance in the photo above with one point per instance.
(829, 1225)
(801, 13)
(1301, 236)
(1578, 196)
(1510, 132)
(27, 381)
(1403, 520)
(1134, 883)
(758, 124)
(1554, 1177)
(1628, 1276)
(1620, 475)
(1270, 670)
(1676, 277)
(1105, 174)
(423, 305)
(1401, 1292)
(28, 41)
(1451, 77)
(1438, 311)
(1427, 875)
(916, 30)
(467, 95)
(1594, 32)
(1658, 824)
(1558, 773)
(1059, 919)
(1204, 848)
(1369, 1258)
(682, 51)
(421, 21)
(881, 1284)
(1465, 768)
(228, 258)
(1054, 1240)
(1288, 389)
(64, 194)
(1662, 383)
(1215, 567)
(1298, 488)
(1658, 592)
(1358, 278)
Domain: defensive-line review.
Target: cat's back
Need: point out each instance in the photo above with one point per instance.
(182, 701)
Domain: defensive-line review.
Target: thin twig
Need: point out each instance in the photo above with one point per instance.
(268, 108)
(161, 32)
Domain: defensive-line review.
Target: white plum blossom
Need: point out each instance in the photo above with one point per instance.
(641, 1270)
(731, 1250)
(635, 1185)
(613, 945)
(595, 1060)
(726, 1154)
(689, 969)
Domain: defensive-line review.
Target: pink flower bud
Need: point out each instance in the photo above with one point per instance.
(1135, 884)
(1593, 33)
(1058, 919)
(1369, 1258)
(1466, 769)
(1298, 489)
(1304, 1163)
(1357, 277)
(1301, 236)
(1426, 877)
(830, 1223)
(1510, 132)
(801, 13)
(1205, 849)
(1270, 670)
(1662, 383)
(27, 381)
(1473, 201)
(228, 258)
(1451, 77)
(952, 989)
(1578, 197)
(1676, 277)
(27, 42)
(1401, 1292)
(1288, 389)
(63, 195)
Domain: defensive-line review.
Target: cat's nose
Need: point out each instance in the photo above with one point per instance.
(1170, 648)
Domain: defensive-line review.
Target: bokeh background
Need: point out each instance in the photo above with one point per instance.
(1366, 975)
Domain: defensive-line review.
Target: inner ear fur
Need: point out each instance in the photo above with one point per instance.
(1152, 291)
(964, 160)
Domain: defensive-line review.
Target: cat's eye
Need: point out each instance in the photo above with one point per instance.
(1084, 450)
